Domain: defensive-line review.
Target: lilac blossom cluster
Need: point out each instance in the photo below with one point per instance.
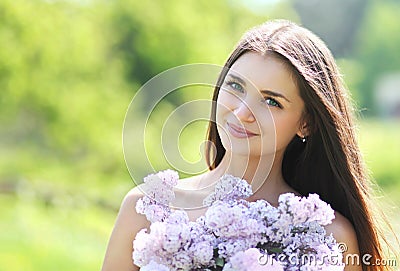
(229, 189)
(249, 260)
(174, 244)
(158, 189)
(234, 234)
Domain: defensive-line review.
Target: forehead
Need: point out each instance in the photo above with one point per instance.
(265, 72)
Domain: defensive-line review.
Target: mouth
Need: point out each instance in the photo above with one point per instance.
(238, 131)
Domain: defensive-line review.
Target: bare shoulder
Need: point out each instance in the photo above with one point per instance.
(127, 212)
(344, 233)
(342, 229)
(133, 196)
(128, 224)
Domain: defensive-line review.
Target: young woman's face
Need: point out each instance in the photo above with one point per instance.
(259, 109)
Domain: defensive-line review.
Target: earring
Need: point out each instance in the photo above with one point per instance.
(303, 139)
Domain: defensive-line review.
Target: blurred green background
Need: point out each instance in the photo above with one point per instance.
(69, 69)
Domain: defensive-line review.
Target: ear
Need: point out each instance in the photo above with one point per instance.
(304, 130)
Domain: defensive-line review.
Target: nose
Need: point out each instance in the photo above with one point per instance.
(243, 113)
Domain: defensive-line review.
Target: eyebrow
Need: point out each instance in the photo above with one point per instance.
(238, 79)
(265, 92)
(274, 94)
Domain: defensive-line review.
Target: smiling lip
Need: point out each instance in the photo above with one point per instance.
(239, 132)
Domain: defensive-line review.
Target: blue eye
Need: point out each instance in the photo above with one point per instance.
(272, 102)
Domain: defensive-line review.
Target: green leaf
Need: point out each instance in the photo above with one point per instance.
(220, 262)
(275, 250)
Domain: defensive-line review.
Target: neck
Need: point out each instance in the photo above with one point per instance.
(264, 173)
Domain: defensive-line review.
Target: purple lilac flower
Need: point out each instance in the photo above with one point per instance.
(229, 188)
(158, 190)
(153, 266)
(250, 260)
(306, 209)
(234, 228)
(175, 243)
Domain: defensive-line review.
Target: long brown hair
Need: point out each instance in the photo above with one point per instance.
(330, 162)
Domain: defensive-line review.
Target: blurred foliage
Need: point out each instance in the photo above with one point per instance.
(377, 49)
(68, 71)
(321, 17)
(384, 165)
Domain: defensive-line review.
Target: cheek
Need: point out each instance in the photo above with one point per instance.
(286, 129)
(222, 109)
(225, 103)
(227, 100)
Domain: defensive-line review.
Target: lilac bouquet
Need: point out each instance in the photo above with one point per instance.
(234, 234)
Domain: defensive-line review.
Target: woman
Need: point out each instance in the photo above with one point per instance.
(281, 120)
